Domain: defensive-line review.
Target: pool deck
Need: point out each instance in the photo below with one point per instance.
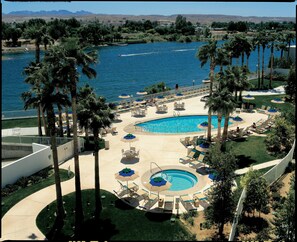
(165, 150)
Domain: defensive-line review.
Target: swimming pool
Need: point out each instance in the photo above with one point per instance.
(180, 124)
(180, 179)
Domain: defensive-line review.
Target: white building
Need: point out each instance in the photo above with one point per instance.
(292, 53)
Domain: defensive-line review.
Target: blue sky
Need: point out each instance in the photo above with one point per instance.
(262, 9)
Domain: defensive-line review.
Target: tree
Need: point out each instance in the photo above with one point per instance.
(290, 88)
(34, 77)
(209, 53)
(256, 42)
(49, 98)
(217, 102)
(289, 37)
(221, 199)
(99, 116)
(285, 217)
(66, 57)
(36, 32)
(264, 42)
(257, 192)
(271, 46)
(84, 96)
(281, 137)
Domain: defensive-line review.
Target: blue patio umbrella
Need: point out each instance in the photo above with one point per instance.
(139, 101)
(203, 147)
(237, 119)
(214, 176)
(159, 184)
(126, 174)
(129, 138)
(277, 100)
(272, 111)
(204, 125)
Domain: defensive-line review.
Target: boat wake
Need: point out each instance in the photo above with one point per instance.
(181, 50)
(136, 54)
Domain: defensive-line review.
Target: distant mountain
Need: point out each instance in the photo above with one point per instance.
(49, 13)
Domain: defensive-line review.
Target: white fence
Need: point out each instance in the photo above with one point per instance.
(271, 176)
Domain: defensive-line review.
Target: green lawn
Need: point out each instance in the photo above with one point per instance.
(266, 100)
(118, 221)
(22, 123)
(9, 201)
(251, 151)
(274, 83)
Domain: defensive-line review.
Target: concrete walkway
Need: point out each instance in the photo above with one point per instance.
(257, 167)
(19, 222)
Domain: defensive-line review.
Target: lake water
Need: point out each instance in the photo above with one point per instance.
(122, 69)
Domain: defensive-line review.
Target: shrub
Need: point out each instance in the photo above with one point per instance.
(193, 213)
(185, 216)
(276, 186)
(244, 229)
(5, 192)
(276, 196)
(22, 181)
(265, 210)
(35, 179)
(191, 221)
(44, 173)
(263, 235)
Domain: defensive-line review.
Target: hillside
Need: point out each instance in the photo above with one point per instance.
(118, 19)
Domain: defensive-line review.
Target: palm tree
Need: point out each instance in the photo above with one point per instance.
(256, 43)
(281, 44)
(48, 98)
(84, 95)
(228, 106)
(33, 78)
(66, 58)
(215, 103)
(222, 58)
(209, 53)
(272, 38)
(289, 37)
(248, 48)
(264, 42)
(98, 114)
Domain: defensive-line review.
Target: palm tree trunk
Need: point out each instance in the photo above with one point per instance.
(259, 67)
(271, 67)
(60, 122)
(51, 124)
(212, 66)
(37, 52)
(78, 199)
(247, 62)
(67, 122)
(221, 230)
(262, 76)
(242, 59)
(289, 43)
(39, 120)
(219, 126)
(225, 131)
(44, 124)
(98, 203)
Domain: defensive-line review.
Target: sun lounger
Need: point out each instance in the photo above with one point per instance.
(199, 161)
(142, 194)
(168, 204)
(131, 186)
(193, 141)
(185, 141)
(188, 158)
(187, 202)
(153, 198)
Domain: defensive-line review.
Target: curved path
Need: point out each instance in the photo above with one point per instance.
(19, 222)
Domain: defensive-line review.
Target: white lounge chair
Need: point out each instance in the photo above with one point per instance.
(188, 158)
(199, 161)
(168, 204)
(187, 202)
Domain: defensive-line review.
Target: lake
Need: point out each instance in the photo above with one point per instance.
(122, 69)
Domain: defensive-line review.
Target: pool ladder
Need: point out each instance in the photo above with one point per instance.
(166, 176)
(176, 113)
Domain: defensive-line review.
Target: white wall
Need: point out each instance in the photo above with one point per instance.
(65, 151)
(28, 165)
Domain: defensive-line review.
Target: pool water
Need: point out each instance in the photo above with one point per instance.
(180, 124)
(180, 180)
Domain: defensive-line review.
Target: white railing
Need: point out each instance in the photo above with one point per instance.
(270, 176)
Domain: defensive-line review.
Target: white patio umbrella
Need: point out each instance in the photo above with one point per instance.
(277, 100)
(248, 98)
(141, 92)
